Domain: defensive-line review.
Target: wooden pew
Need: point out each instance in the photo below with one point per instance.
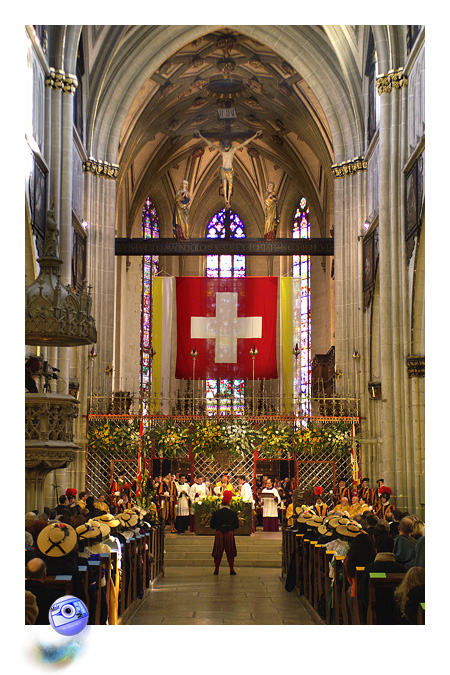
(304, 564)
(60, 582)
(346, 619)
(298, 562)
(322, 570)
(317, 575)
(327, 582)
(83, 571)
(113, 604)
(311, 569)
(337, 593)
(421, 614)
(95, 575)
(377, 581)
(125, 591)
(359, 617)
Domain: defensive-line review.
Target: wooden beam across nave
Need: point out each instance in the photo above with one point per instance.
(137, 246)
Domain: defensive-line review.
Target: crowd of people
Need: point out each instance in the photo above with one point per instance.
(363, 525)
(79, 528)
(370, 532)
(175, 497)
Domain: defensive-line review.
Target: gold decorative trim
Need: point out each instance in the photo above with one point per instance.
(102, 169)
(58, 79)
(416, 366)
(349, 168)
(394, 79)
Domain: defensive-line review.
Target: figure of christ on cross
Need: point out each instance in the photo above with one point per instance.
(226, 327)
(227, 151)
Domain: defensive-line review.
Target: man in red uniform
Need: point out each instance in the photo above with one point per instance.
(224, 521)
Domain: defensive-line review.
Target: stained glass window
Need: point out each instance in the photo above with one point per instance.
(301, 269)
(224, 397)
(150, 267)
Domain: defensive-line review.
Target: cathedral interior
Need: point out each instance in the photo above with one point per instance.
(117, 117)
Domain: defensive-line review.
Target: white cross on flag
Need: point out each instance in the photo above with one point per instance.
(223, 319)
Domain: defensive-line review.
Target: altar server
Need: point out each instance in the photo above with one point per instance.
(197, 493)
(271, 501)
(182, 519)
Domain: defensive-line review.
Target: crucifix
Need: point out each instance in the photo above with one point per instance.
(227, 151)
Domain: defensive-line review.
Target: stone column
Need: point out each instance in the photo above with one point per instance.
(391, 315)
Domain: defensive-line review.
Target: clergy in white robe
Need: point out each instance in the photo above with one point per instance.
(182, 519)
(245, 490)
(197, 493)
(247, 496)
(271, 500)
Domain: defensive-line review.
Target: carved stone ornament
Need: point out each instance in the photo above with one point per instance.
(394, 79)
(102, 169)
(58, 79)
(54, 314)
(349, 168)
(416, 366)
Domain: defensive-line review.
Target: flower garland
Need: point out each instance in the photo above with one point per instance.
(171, 440)
(206, 438)
(107, 436)
(239, 438)
(274, 440)
(334, 437)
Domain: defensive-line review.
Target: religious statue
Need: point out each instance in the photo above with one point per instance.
(226, 171)
(51, 235)
(181, 212)
(272, 217)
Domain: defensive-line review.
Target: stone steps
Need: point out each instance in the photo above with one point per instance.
(191, 550)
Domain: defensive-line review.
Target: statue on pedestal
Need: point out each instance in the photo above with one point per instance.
(181, 212)
(272, 218)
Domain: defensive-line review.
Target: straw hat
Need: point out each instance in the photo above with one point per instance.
(337, 521)
(89, 530)
(57, 540)
(350, 530)
(315, 521)
(108, 519)
(305, 517)
(324, 531)
(103, 527)
(127, 519)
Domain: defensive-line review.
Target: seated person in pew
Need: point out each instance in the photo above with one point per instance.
(384, 562)
(409, 594)
(404, 543)
(360, 554)
(35, 573)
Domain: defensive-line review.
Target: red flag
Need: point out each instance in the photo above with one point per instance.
(224, 319)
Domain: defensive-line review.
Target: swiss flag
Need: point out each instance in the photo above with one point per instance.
(223, 319)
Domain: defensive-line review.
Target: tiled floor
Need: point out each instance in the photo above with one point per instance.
(194, 596)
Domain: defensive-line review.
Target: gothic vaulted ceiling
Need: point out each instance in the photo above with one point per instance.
(225, 75)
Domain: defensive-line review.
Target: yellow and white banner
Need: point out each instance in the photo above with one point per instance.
(290, 337)
(162, 289)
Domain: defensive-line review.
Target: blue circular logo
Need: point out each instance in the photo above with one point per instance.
(68, 615)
